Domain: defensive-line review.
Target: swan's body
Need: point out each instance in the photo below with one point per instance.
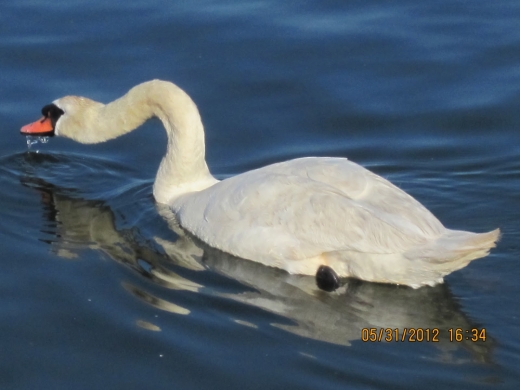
(296, 215)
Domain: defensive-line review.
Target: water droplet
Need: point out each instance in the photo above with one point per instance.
(33, 140)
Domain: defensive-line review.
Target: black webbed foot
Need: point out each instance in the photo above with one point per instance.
(327, 279)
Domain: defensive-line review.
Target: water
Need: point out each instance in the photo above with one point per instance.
(97, 291)
(35, 140)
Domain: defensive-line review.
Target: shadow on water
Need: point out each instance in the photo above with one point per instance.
(72, 224)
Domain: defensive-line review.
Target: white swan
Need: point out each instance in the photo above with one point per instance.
(297, 215)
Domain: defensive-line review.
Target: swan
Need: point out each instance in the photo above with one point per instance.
(321, 216)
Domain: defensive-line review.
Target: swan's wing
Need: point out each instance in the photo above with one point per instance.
(305, 207)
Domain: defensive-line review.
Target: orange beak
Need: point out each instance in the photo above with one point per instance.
(40, 127)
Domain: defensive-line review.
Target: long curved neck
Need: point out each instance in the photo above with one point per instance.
(183, 169)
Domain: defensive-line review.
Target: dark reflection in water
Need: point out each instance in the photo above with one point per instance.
(72, 224)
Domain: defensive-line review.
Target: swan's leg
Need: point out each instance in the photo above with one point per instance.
(326, 278)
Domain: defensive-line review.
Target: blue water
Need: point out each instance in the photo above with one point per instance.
(96, 290)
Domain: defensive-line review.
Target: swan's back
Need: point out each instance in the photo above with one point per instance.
(315, 202)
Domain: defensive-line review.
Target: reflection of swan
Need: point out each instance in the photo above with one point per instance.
(297, 215)
(303, 309)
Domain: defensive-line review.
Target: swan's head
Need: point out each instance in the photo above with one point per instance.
(70, 116)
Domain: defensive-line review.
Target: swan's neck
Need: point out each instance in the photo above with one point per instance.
(183, 169)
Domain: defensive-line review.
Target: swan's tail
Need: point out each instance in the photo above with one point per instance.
(453, 251)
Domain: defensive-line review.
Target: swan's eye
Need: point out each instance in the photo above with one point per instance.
(53, 112)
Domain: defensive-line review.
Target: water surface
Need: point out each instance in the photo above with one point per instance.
(98, 291)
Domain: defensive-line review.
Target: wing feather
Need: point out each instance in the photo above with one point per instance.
(305, 207)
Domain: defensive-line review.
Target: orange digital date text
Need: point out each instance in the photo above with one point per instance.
(412, 335)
